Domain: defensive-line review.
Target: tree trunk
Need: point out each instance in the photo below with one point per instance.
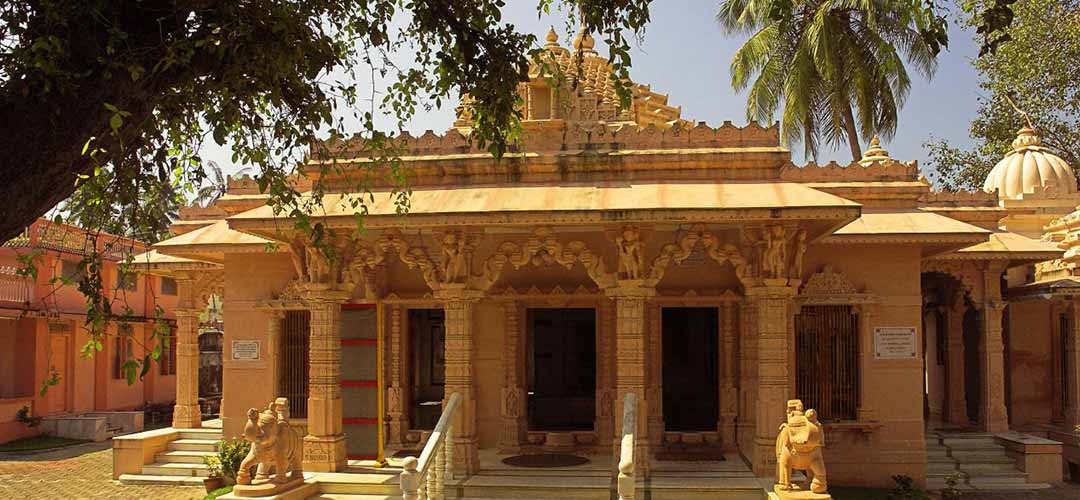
(852, 133)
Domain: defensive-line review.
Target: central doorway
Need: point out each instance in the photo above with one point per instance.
(690, 357)
(561, 355)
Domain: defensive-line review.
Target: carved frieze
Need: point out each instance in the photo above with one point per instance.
(679, 251)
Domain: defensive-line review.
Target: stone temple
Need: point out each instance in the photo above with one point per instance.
(629, 251)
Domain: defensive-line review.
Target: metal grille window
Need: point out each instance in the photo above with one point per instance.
(827, 361)
(293, 364)
(168, 353)
(123, 350)
(1063, 347)
(168, 286)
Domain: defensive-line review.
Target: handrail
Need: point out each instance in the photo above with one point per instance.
(425, 478)
(625, 482)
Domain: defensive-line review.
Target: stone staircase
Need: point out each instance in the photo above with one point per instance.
(982, 463)
(181, 464)
(728, 480)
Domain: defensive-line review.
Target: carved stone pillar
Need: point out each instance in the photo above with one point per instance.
(729, 395)
(324, 445)
(747, 378)
(954, 370)
(992, 413)
(1072, 374)
(630, 361)
(513, 432)
(186, 413)
(605, 379)
(772, 304)
(398, 420)
(459, 302)
(655, 374)
(273, 348)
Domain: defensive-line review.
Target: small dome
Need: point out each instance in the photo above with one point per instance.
(1029, 168)
(875, 153)
(552, 38)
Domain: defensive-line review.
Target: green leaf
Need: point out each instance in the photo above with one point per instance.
(116, 121)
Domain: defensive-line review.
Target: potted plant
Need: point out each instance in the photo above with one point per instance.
(215, 480)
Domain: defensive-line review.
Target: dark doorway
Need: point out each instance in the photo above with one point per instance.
(427, 341)
(562, 369)
(972, 363)
(691, 382)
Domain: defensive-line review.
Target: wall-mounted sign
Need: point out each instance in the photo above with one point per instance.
(895, 342)
(245, 350)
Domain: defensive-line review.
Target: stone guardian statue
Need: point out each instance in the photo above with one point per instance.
(798, 446)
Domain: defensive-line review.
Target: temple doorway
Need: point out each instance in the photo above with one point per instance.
(561, 358)
(690, 362)
(428, 339)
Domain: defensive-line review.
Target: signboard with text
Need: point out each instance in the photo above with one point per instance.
(245, 350)
(895, 342)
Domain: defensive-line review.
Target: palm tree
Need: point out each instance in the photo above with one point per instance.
(217, 187)
(834, 66)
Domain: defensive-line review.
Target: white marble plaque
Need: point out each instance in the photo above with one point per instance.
(245, 350)
(895, 342)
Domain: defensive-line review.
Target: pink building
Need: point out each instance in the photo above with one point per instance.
(42, 333)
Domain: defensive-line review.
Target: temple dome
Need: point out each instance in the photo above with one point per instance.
(1030, 169)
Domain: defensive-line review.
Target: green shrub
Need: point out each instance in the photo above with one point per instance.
(905, 489)
(218, 492)
(230, 453)
(213, 465)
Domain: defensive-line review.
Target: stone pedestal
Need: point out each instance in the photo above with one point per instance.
(772, 305)
(186, 413)
(458, 303)
(630, 364)
(324, 446)
(956, 404)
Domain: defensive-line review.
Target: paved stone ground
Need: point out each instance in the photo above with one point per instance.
(82, 472)
(1068, 491)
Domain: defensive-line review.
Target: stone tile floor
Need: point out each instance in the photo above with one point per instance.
(82, 472)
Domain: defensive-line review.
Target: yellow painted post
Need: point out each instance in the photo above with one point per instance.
(380, 457)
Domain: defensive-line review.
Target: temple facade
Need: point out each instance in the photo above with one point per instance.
(619, 251)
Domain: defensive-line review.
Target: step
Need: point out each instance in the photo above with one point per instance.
(184, 456)
(938, 483)
(349, 496)
(156, 480)
(717, 488)
(485, 486)
(212, 434)
(991, 484)
(359, 483)
(936, 458)
(991, 470)
(982, 456)
(940, 468)
(172, 469)
(193, 445)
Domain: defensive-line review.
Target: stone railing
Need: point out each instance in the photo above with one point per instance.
(625, 481)
(13, 288)
(425, 478)
(877, 171)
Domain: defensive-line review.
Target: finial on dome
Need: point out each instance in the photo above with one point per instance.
(1025, 137)
(552, 38)
(583, 41)
(875, 153)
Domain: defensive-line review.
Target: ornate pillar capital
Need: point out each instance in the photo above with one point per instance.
(456, 292)
(631, 289)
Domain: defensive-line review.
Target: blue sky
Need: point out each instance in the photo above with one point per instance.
(686, 55)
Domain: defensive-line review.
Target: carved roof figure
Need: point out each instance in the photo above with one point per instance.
(1030, 169)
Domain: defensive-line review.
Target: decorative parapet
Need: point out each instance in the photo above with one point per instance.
(557, 135)
(245, 184)
(196, 212)
(977, 198)
(876, 171)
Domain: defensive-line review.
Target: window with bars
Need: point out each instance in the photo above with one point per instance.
(123, 350)
(168, 286)
(1063, 348)
(293, 362)
(827, 361)
(168, 353)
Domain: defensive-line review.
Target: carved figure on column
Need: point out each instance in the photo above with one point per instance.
(798, 446)
(455, 264)
(631, 260)
(276, 447)
(798, 254)
(775, 258)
